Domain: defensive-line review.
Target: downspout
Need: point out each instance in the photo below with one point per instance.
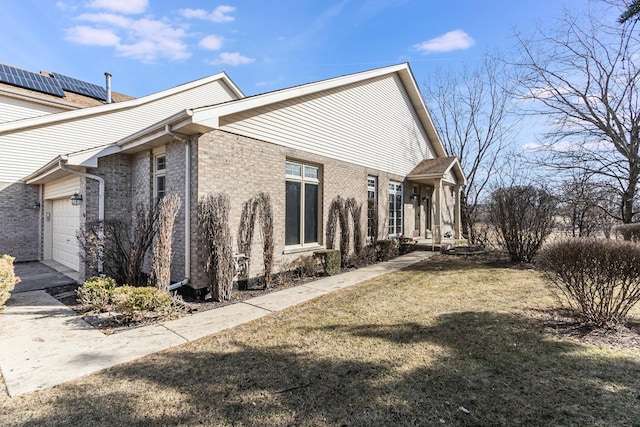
(100, 180)
(187, 205)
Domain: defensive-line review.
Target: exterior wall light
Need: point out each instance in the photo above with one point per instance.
(76, 199)
(35, 205)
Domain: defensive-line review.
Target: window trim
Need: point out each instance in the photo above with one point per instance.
(157, 173)
(397, 192)
(303, 179)
(372, 189)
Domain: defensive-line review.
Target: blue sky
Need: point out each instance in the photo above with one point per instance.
(151, 45)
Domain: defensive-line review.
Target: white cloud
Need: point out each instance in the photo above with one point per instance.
(121, 6)
(212, 42)
(92, 36)
(219, 14)
(106, 18)
(232, 58)
(153, 40)
(453, 40)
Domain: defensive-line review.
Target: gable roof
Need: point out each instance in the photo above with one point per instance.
(32, 141)
(108, 108)
(438, 168)
(203, 119)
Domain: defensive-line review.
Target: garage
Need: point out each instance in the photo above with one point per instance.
(61, 222)
(65, 221)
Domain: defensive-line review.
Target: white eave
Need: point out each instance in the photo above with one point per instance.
(78, 160)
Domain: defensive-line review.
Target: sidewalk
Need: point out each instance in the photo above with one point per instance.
(44, 344)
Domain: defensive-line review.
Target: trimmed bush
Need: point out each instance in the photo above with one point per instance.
(406, 245)
(7, 279)
(96, 292)
(329, 260)
(600, 279)
(386, 249)
(134, 301)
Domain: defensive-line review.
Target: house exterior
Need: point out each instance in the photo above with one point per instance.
(366, 136)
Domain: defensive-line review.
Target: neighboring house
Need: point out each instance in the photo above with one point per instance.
(364, 136)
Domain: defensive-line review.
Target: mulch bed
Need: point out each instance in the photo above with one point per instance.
(109, 324)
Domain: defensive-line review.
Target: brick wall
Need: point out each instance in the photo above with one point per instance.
(242, 167)
(19, 225)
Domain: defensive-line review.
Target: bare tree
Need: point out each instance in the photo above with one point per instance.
(160, 276)
(584, 78)
(213, 220)
(471, 111)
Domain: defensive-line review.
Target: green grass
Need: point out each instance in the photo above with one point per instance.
(409, 348)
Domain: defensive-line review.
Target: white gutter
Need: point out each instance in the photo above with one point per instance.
(100, 180)
(187, 205)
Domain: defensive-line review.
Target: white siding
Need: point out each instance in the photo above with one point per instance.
(63, 187)
(371, 123)
(16, 109)
(23, 152)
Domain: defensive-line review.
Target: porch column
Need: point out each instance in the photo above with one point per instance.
(437, 217)
(458, 217)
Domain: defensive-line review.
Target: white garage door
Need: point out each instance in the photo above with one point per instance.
(65, 221)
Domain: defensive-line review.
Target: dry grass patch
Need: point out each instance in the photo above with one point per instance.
(447, 341)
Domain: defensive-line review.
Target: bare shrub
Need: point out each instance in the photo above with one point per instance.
(629, 231)
(332, 221)
(245, 231)
(120, 246)
(372, 219)
(306, 266)
(366, 256)
(523, 218)
(257, 207)
(600, 279)
(339, 213)
(213, 221)
(265, 211)
(355, 210)
(160, 276)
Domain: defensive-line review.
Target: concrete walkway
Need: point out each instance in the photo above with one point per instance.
(36, 275)
(44, 343)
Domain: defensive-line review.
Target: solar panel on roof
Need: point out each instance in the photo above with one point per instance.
(27, 79)
(80, 87)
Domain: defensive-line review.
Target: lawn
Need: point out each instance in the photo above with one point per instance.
(440, 343)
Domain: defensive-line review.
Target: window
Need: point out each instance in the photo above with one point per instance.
(372, 207)
(302, 204)
(395, 209)
(159, 176)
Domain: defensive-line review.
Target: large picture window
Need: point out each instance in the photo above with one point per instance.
(302, 204)
(395, 209)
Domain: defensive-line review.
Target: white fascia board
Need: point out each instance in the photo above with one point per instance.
(458, 171)
(42, 173)
(102, 109)
(211, 114)
(176, 118)
(89, 158)
(419, 105)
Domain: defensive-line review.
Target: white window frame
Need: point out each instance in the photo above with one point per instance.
(304, 179)
(395, 189)
(157, 173)
(372, 188)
